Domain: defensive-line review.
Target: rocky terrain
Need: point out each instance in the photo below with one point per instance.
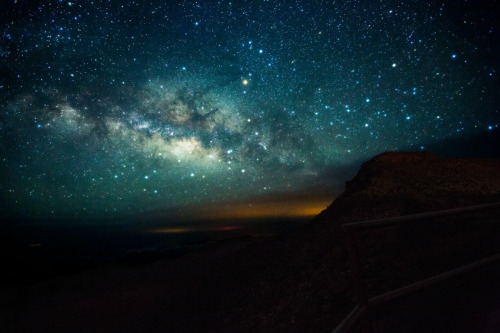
(294, 283)
(393, 184)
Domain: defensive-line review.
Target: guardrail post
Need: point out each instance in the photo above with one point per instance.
(355, 263)
(359, 286)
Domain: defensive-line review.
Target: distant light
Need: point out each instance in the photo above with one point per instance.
(196, 23)
(261, 51)
(394, 65)
(245, 82)
(490, 127)
(367, 100)
(453, 56)
(146, 177)
(192, 175)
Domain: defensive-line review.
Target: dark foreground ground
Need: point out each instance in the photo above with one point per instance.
(249, 284)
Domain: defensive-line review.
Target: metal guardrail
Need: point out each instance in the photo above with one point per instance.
(365, 303)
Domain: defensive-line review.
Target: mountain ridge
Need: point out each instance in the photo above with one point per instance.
(414, 182)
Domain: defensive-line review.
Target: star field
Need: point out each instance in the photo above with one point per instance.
(120, 107)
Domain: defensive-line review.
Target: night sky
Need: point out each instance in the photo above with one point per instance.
(112, 108)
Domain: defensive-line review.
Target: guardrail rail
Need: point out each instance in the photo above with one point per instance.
(364, 304)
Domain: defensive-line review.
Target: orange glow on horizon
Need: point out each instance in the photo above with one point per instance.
(228, 228)
(237, 213)
(173, 230)
(281, 209)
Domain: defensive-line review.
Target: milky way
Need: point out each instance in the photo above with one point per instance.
(123, 107)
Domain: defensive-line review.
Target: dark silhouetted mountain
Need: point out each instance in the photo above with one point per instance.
(393, 184)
